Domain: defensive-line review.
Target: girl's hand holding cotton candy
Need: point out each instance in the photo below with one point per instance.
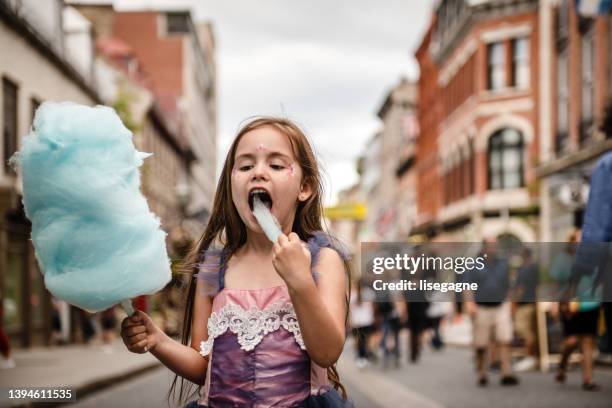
(139, 333)
(291, 260)
(95, 239)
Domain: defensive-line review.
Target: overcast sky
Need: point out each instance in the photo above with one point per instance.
(328, 65)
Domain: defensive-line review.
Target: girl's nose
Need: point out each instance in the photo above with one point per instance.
(260, 171)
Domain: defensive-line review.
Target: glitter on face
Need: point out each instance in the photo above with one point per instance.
(261, 147)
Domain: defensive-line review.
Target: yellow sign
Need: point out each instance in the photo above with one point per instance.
(349, 211)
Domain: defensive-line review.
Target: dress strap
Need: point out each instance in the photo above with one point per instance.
(320, 240)
(213, 262)
(212, 265)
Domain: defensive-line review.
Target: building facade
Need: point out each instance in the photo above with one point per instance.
(397, 186)
(125, 87)
(42, 58)
(574, 111)
(57, 50)
(478, 104)
(178, 57)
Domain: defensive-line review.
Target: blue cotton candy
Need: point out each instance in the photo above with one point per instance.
(95, 239)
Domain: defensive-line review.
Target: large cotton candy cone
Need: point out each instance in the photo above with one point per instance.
(95, 239)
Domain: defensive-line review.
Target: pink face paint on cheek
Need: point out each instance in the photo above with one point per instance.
(236, 174)
(290, 172)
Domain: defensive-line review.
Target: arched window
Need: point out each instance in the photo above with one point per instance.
(506, 159)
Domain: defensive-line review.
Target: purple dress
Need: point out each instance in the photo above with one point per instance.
(257, 356)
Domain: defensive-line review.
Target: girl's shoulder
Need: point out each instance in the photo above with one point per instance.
(210, 266)
(213, 261)
(320, 240)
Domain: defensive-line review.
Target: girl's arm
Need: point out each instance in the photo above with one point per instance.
(141, 335)
(321, 308)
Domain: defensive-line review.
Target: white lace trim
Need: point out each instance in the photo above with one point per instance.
(251, 325)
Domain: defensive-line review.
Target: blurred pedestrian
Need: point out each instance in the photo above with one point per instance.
(6, 361)
(579, 318)
(525, 296)
(491, 314)
(597, 235)
(390, 326)
(56, 323)
(85, 323)
(440, 305)
(362, 321)
(108, 320)
(439, 308)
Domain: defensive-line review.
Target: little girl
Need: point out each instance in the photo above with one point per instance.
(264, 322)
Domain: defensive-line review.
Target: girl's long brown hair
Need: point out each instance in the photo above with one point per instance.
(226, 227)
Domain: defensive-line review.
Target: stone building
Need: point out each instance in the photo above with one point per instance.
(398, 183)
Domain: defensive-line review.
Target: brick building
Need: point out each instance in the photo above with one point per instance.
(178, 56)
(478, 104)
(575, 104)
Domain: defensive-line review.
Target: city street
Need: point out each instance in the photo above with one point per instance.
(150, 390)
(440, 379)
(446, 166)
(447, 379)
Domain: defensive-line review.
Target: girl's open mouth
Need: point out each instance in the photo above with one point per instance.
(262, 196)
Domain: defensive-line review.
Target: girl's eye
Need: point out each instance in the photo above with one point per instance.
(245, 168)
(277, 166)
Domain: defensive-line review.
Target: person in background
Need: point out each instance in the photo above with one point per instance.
(56, 323)
(362, 321)
(390, 325)
(108, 320)
(594, 253)
(491, 314)
(440, 305)
(6, 361)
(525, 296)
(85, 322)
(416, 306)
(439, 308)
(578, 319)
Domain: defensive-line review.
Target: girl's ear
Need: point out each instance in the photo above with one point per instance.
(305, 192)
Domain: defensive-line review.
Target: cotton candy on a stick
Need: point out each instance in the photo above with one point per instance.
(95, 239)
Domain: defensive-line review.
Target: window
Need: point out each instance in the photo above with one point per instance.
(495, 66)
(587, 94)
(562, 138)
(562, 40)
(520, 63)
(472, 169)
(9, 119)
(177, 23)
(562, 20)
(447, 187)
(506, 159)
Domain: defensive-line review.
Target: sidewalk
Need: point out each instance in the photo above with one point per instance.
(82, 368)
